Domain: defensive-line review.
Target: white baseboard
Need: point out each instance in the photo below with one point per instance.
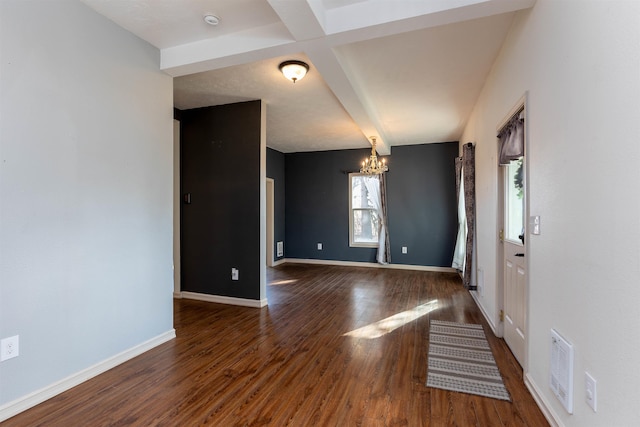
(368, 264)
(543, 404)
(177, 295)
(497, 329)
(225, 300)
(278, 262)
(30, 400)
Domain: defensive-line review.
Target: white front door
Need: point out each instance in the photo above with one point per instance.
(515, 278)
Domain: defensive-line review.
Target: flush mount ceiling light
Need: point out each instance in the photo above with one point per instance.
(211, 19)
(294, 70)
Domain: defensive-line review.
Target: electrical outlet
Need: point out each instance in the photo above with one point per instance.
(404, 249)
(235, 274)
(319, 246)
(9, 348)
(590, 389)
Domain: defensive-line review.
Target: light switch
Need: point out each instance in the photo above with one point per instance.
(534, 224)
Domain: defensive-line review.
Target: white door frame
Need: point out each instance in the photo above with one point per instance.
(177, 200)
(270, 220)
(500, 253)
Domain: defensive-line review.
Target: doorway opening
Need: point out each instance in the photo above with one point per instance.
(270, 243)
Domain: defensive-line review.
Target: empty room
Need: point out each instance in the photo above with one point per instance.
(319, 212)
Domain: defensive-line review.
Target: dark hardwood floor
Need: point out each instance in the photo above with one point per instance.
(295, 363)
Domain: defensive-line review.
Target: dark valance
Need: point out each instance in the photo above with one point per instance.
(511, 138)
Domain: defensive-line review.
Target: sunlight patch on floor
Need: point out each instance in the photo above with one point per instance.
(390, 324)
(283, 282)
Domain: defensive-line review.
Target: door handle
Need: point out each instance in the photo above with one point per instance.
(519, 255)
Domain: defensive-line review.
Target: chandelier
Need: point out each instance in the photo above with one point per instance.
(373, 166)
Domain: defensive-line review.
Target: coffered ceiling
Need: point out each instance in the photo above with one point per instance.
(405, 71)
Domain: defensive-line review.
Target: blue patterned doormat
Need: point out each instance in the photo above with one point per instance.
(460, 359)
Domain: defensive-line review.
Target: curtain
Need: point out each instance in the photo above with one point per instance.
(384, 256)
(466, 188)
(511, 138)
(375, 186)
(461, 238)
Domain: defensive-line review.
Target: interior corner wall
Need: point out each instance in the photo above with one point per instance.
(421, 195)
(85, 193)
(583, 132)
(275, 171)
(220, 228)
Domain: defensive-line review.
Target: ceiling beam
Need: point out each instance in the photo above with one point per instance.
(309, 27)
(333, 73)
(304, 25)
(210, 54)
(299, 19)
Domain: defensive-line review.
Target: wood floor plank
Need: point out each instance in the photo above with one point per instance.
(337, 346)
(485, 412)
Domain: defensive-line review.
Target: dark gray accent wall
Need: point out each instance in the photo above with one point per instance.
(220, 228)
(275, 171)
(317, 205)
(421, 195)
(423, 212)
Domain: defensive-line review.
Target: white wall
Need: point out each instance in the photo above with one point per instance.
(85, 192)
(580, 63)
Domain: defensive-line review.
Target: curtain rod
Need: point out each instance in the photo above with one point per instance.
(518, 112)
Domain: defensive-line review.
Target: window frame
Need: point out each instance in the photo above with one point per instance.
(352, 243)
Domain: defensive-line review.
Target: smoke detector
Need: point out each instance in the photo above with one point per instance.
(211, 19)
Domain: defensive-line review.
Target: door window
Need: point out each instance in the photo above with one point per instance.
(514, 206)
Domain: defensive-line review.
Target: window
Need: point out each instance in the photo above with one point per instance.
(514, 204)
(363, 215)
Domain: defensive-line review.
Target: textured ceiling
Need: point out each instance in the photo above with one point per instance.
(405, 71)
(304, 114)
(423, 89)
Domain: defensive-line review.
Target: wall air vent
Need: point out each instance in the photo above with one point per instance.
(561, 378)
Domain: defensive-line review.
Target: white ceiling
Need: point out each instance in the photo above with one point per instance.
(405, 71)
